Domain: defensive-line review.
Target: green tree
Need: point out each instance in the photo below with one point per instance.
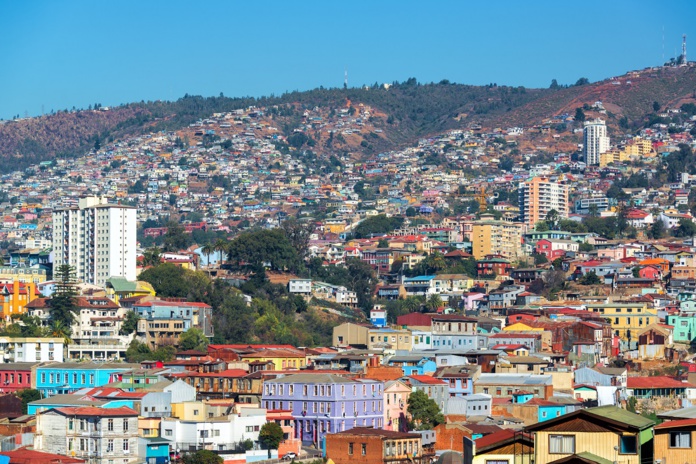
(298, 233)
(207, 250)
(579, 114)
(591, 278)
(656, 106)
(27, 396)
(130, 323)
(657, 229)
(375, 225)
(593, 211)
(270, 436)
(63, 301)
(383, 243)
(433, 303)
(552, 218)
(506, 163)
(202, 457)
(541, 226)
(176, 238)
(411, 211)
(582, 81)
(264, 248)
(686, 228)
(152, 257)
(424, 412)
(540, 259)
(584, 246)
(193, 339)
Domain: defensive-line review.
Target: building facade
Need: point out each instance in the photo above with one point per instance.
(107, 435)
(595, 141)
(97, 238)
(538, 196)
(326, 403)
(489, 237)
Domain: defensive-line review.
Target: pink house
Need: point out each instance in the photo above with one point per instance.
(396, 395)
(650, 272)
(553, 249)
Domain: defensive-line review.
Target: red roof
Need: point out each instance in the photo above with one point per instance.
(496, 437)
(427, 379)
(677, 423)
(27, 456)
(94, 411)
(657, 382)
(228, 373)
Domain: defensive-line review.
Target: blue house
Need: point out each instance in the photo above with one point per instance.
(413, 364)
(62, 378)
(545, 409)
(154, 450)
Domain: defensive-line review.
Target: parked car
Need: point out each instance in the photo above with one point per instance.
(289, 457)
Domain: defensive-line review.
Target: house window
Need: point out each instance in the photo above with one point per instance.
(110, 425)
(125, 445)
(680, 439)
(110, 446)
(561, 444)
(125, 425)
(363, 449)
(628, 445)
(350, 449)
(497, 462)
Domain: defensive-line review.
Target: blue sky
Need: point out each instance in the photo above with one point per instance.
(75, 53)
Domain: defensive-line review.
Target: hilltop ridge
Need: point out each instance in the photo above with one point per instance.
(402, 113)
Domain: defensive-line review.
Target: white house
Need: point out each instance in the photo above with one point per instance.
(301, 286)
(31, 349)
(218, 433)
(89, 433)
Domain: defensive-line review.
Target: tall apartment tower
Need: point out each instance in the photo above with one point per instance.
(538, 196)
(97, 238)
(595, 141)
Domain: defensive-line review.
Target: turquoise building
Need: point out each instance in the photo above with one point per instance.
(62, 378)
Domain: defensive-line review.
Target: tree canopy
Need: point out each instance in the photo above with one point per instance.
(377, 225)
(425, 413)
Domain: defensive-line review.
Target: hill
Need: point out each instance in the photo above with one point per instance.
(403, 112)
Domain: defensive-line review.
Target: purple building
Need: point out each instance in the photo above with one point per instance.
(326, 403)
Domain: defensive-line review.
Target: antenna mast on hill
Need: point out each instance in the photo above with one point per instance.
(345, 79)
(684, 50)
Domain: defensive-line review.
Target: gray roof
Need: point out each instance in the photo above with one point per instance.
(683, 413)
(514, 379)
(20, 366)
(68, 400)
(317, 378)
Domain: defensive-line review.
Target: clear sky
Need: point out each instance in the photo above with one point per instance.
(60, 54)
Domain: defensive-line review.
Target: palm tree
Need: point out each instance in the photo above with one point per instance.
(221, 247)
(151, 257)
(59, 330)
(207, 250)
(433, 303)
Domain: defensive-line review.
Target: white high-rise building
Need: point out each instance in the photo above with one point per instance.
(595, 141)
(97, 238)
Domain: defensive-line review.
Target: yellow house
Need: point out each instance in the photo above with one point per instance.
(597, 435)
(626, 319)
(520, 327)
(148, 427)
(120, 287)
(335, 226)
(506, 446)
(281, 358)
(22, 274)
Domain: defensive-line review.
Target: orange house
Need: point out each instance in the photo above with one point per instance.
(15, 297)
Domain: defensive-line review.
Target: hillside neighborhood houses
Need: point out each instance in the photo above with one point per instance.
(522, 304)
